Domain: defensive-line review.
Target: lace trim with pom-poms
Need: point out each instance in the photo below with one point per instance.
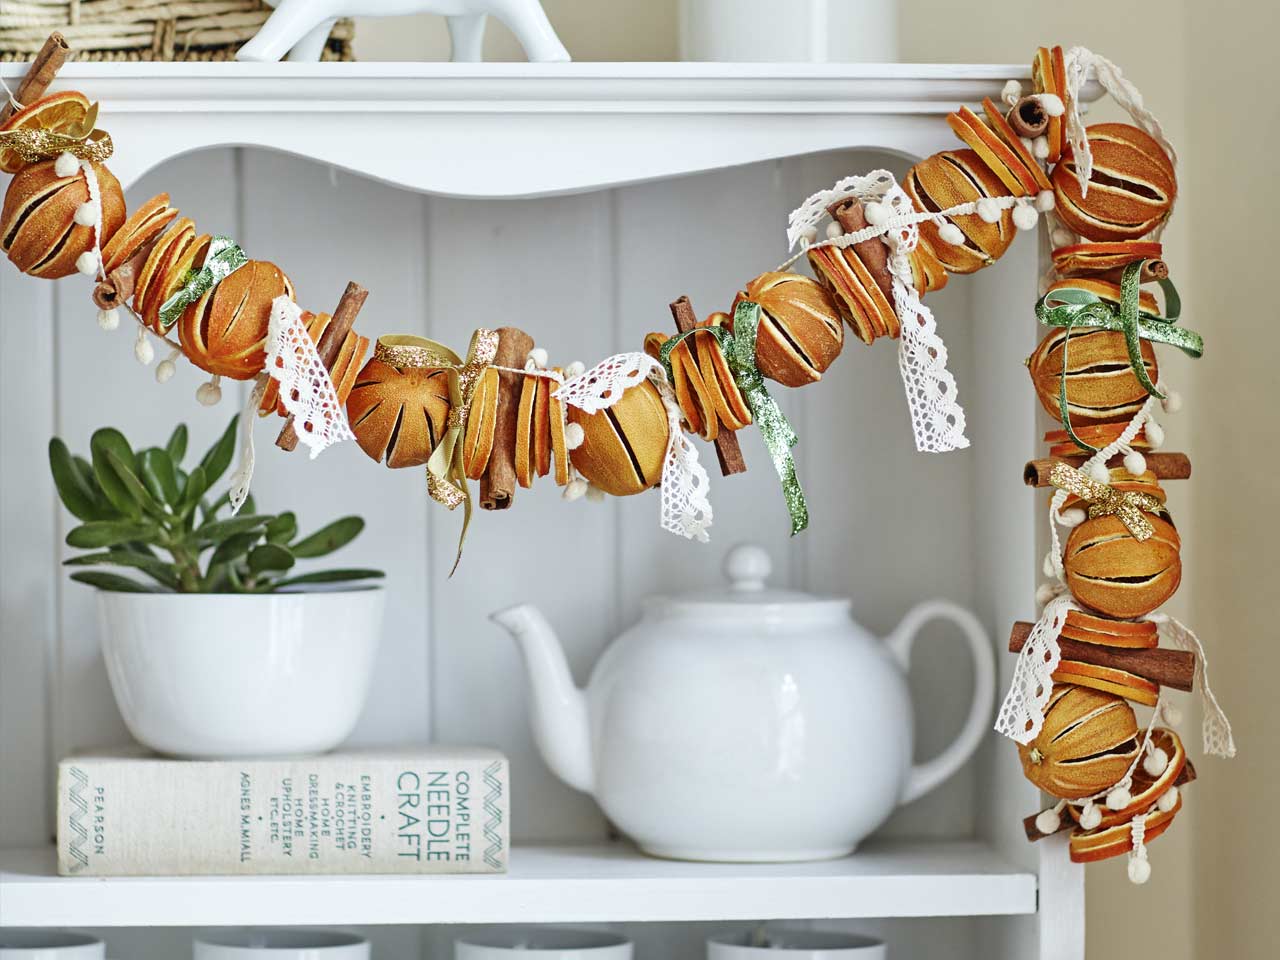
(686, 509)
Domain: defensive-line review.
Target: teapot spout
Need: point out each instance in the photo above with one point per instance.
(557, 708)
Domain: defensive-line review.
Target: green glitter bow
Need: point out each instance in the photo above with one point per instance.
(223, 259)
(739, 348)
(1071, 307)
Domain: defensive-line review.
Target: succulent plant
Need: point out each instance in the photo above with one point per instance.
(141, 510)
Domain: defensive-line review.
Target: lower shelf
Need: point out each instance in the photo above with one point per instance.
(546, 884)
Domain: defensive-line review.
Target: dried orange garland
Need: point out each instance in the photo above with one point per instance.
(1108, 189)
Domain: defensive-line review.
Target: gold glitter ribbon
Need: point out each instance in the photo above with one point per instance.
(1106, 501)
(446, 472)
(81, 140)
(739, 348)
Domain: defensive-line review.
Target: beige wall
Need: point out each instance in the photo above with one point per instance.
(1200, 66)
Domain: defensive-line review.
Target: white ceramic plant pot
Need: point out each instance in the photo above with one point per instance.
(233, 675)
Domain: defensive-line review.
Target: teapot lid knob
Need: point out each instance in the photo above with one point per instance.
(747, 566)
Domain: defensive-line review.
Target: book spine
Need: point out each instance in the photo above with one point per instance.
(334, 815)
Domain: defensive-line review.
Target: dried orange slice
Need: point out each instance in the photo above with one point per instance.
(58, 112)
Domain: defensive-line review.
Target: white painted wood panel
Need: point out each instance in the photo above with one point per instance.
(542, 265)
(547, 884)
(324, 227)
(28, 557)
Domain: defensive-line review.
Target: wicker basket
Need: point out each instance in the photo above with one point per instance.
(144, 29)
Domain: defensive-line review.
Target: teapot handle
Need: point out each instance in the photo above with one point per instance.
(925, 776)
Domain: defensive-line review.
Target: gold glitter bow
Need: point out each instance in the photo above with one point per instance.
(446, 473)
(1107, 501)
(80, 140)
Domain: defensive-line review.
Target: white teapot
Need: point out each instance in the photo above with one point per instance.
(747, 724)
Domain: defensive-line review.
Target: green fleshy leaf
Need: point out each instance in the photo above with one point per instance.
(216, 461)
(328, 539)
(158, 474)
(157, 569)
(77, 496)
(110, 581)
(137, 489)
(283, 528)
(106, 533)
(233, 548)
(108, 440)
(329, 576)
(191, 493)
(216, 531)
(270, 556)
(177, 445)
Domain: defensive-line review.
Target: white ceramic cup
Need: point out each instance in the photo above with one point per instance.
(18, 944)
(773, 31)
(541, 943)
(266, 944)
(796, 945)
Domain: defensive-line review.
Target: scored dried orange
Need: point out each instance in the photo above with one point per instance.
(58, 112)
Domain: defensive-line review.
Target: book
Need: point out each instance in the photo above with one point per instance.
(419, 810)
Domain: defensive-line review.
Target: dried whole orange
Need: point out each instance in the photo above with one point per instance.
(1086, 744)
(57, 113)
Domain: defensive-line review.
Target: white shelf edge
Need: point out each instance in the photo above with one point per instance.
(564, 884)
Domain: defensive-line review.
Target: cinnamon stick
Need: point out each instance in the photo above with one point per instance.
(40, 74)
(498, 485)
(1166, 466)
(873, 253)
(1033, 833)
(1152, 270)
(1169, 668)
(1028, 118)
(728, 452)
(344, 317)
(118, 287)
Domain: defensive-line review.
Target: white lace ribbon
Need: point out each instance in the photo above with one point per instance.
(937, 419)
(1215, 727)
(243, 476)
(1022, 714)
(686, 509)
(1077, 63)
(306, 389)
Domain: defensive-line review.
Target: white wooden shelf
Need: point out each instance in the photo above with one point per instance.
(546, 885)
(510, 130)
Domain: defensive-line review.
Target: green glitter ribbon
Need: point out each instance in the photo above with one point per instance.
(1071, 307)
(739, 348)
(223, 259)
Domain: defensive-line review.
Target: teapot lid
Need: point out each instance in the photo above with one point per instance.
(747, 568)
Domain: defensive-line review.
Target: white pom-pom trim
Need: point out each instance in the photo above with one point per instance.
(574, 489)
(1168, 800)
(109, 319)
(1119, 798)
(1052, 104)
(66, 165)
(1046, 201)
(1155, 762)
(87, 214)
(1048, 821)
(877, 214)
(1135, 463)
(87, 263)
(1139, 870)
(143, 352)
(950, 233)
(574, 435)
(1090, 816)
(1072, 517)
(1098, 471)
(834, 230)
(1025, 217)
(210, 393)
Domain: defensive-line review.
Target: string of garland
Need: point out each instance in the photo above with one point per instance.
(503, 416)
